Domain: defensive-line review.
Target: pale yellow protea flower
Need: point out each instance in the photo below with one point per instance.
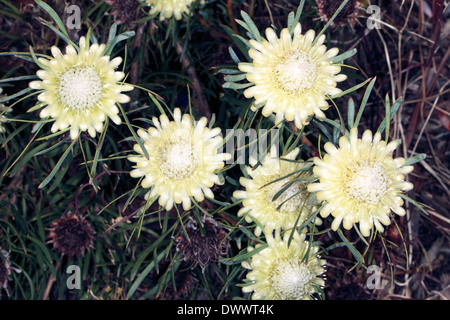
(80, 89)
(266, 181)
(3, 110)
(360, 182)
(291, 76)
(183, 160)
(3, 119)
(169, 8)
(283, 270)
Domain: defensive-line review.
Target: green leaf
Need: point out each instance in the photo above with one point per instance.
(144, 273)
(59, 33)
(354, 88)
(415, 203)
(36, 107)
(309, 220)
(364, 101)
(27, 157)
(19, 78)
(61, 173)
(393, 110)
(243, 256)
(53, 135)
(292, 22)
(331, 20)
(252, 28)
(23, 152)
(387, 119)
(351, 113)
(11, 6)
(35, 59)
(234, 55)
(121, 37)
(230, 277)
(136, 137)
(239, 41)
(157, 103)
(98, 151)
(245, 46)
(344, 56)
(16, 95)
(54, 16)
(229, 71)
(112, 34)
(350, 246)
(248, 233)
(236, 86)
(56, 145)
(415, 159)
(149, 250)
(234, 78)
(45, 251)
(58, 165)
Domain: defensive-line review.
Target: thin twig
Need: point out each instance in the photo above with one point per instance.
(270, 12)
(231, 14)
(50, 282)
(135, 67)
(200, 101)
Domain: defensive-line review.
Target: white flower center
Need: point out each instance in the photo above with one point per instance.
(291, 199)
(80, 88)
(368, 182)
(290, 279)
(178, 160)
(296, 72)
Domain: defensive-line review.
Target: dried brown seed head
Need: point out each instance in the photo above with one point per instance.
(200, 247)
(71, 235)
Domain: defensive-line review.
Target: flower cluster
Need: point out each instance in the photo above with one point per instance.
(177, 162)
(292, 77)
(276, 197)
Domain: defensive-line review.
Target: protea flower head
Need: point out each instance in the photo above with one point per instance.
(71, 235)
(81, 88)
(287, 269)
(170, 8)
(201, 249)
(292, 75)
(361, 182)
(183, 161)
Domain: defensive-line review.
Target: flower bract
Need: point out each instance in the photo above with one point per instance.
(361, 182)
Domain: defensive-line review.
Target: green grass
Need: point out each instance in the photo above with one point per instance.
(192, 64)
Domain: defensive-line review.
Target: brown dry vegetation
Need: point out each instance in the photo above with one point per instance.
(410, 58)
